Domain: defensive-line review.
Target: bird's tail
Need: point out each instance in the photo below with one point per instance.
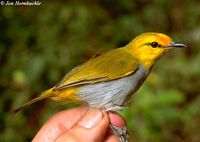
(44, 95)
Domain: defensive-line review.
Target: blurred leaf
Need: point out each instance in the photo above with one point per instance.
(170, 97)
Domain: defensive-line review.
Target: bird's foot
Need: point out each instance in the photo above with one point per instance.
(121, 132)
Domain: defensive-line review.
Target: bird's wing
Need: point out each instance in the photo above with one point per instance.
(107, 66)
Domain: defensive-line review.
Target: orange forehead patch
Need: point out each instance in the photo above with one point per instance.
(164, 39)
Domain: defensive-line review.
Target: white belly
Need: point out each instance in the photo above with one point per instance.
(112, 95)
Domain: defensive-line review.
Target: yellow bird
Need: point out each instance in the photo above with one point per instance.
(107, 81)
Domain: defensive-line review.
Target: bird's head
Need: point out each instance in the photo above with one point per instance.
(148, 47)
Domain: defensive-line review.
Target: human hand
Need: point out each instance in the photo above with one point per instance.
(80, 125)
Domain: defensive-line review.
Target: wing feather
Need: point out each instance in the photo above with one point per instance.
(105, 67)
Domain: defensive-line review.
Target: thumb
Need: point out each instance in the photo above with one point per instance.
(91, 128)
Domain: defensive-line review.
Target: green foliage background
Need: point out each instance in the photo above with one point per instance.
(39, 44)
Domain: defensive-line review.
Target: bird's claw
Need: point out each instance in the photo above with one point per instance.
(121, 132)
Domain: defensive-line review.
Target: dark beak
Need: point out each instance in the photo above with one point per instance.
(176, 45)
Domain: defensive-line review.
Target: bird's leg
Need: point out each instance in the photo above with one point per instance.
(121, 132)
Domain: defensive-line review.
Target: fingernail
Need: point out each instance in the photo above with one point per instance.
(91, 118)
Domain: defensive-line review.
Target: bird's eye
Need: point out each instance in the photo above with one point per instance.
(154, 44)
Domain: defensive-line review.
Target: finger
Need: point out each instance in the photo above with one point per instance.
(112, 138)
(91, 128)
(59, 124)
(116, 119)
